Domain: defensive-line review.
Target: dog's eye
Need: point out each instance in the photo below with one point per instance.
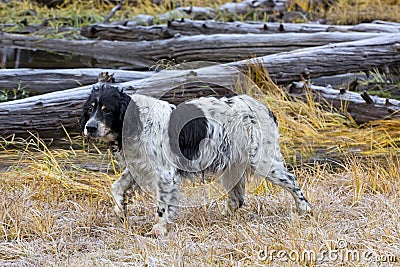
(90, 109)
(107, 110)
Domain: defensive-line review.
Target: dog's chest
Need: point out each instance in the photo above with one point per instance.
(143, 152)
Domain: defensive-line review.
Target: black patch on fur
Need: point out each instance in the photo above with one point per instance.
(187, 127)
(272, 115)
(229, 101)
(241, 201)
(116, 103)
(160, 211)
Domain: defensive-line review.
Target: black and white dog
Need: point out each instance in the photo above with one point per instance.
(159, 143)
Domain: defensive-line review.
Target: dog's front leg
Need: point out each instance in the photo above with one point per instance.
(167, 190)
(118, 191)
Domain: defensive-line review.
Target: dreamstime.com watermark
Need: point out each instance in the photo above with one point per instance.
(325, 254)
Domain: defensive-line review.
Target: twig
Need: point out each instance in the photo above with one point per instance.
(113, 11)
(367, 98)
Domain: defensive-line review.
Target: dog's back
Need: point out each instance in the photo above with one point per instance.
(233, 129)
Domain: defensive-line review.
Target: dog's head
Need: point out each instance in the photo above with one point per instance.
(103, 113)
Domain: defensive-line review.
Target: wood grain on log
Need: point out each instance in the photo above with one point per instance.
(47, 114)
(40, 81)
(331, 59)
(186, 27)
(340, 80)
(217, 48)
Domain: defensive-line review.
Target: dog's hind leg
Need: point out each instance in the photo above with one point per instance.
(234, 180)
(118, 190)
(278, 175)
(289, 182)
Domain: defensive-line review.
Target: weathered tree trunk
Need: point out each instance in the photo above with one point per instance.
(331, 59)
(216, 48)
(15, 57)
(186, 27)
(39, 81)
(340, 80)
(351, 103)
(359, 82)
(46, 113)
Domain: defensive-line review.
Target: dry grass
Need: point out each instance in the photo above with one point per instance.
(79, 13)
(358, 11)
(350, 11)
(56, 212)
(76, 14)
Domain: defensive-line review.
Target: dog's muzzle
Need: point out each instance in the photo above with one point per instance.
(91, 128)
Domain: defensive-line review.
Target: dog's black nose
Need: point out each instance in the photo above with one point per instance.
(91, 128)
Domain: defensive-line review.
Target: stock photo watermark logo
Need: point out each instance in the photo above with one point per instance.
(184, 82)
(338, 252)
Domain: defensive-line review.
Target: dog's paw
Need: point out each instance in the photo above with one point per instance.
(120, 211)
(228, 210)
(305, 209)
(158, 230)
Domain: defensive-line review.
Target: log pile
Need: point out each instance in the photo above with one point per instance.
(41, 81)
(289, 52)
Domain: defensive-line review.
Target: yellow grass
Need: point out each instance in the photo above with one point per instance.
(54, 211)
(358, 11)
(78, 13)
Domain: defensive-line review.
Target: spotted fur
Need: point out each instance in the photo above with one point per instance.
(159, 144)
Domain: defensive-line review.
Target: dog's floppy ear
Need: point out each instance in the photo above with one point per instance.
(123, 104)
(85, 116)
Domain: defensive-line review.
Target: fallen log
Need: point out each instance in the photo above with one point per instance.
(185, 27)
(361, 107)
(331, 59)
(216, 48)
(47, 114)
(14, 57)
(39, 81)
(385, 87)
(340, 80)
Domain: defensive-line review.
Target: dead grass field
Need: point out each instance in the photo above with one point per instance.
(54, 211)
